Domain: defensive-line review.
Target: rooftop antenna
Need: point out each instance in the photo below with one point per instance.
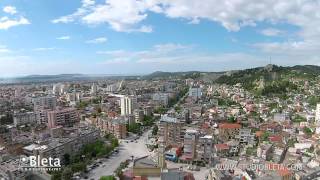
(270, 60)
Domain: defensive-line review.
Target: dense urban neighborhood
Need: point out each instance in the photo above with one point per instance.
(260, 123)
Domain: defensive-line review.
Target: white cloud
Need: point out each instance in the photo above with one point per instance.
(272, 32)
(44, 49)
(302, 14)
(87, 3)
(97, 40)
(122, 16)
(159, 50)
(126, 15)
(116, 61)
(309, 47)
(170, 47)
(86, 7)
(16, 20)
(4, 49)
(64, 38)
(234, 40)
(10, 10)
(6, 23)
(130, 16)
(169, 53)
(113, 53)
(177, 57)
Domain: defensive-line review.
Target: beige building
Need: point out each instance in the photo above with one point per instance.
(172, 130)
(190, 142)
(115, 126)
(62, 117)
(205, 149)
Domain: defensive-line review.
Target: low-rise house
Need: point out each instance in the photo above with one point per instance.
(278, 154)
(228, 131)
(222, 150)
(264, 151)
(245, 136)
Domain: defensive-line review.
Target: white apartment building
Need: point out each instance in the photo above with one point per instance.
(161, 98)
(59, 89)
(24, 117)
(94, 89)
(128, 104)
(195, 92)
(44, 102)
(42, 116)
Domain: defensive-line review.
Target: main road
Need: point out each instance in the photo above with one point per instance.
(127, 149)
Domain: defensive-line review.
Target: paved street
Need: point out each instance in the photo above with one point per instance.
(314, 175)
(126, 150)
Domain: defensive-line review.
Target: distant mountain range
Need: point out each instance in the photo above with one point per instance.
(61, 78)
(269, 72)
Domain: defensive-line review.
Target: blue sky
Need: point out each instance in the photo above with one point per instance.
(142, 36)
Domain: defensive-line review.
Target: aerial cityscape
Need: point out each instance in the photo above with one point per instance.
(159, 90)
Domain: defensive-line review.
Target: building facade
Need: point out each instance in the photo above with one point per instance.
(128, 104)
(172, 130)
(24, 117)
(62, 117)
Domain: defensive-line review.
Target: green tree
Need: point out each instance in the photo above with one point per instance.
(265, 136)
(67, 173)
(107, 178)
(66, 159)
(99, 110)
(82, 104)
(147, 121)
(231, 119)
(134, 128)
(7, 119)
(155, 130)
(307, 131)
(78, 167)
(297, 119)
(313, 100)
(56, 175)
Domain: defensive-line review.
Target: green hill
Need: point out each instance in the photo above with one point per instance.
(271, 79)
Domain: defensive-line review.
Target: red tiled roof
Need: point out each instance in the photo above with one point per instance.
(112, 114)
(229, 125)
(188, 176)
(284, 172)
(222, 146)
(205, 126)
(275, 138)
(259, 133)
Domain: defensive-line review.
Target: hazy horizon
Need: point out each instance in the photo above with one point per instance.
(142, 74)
